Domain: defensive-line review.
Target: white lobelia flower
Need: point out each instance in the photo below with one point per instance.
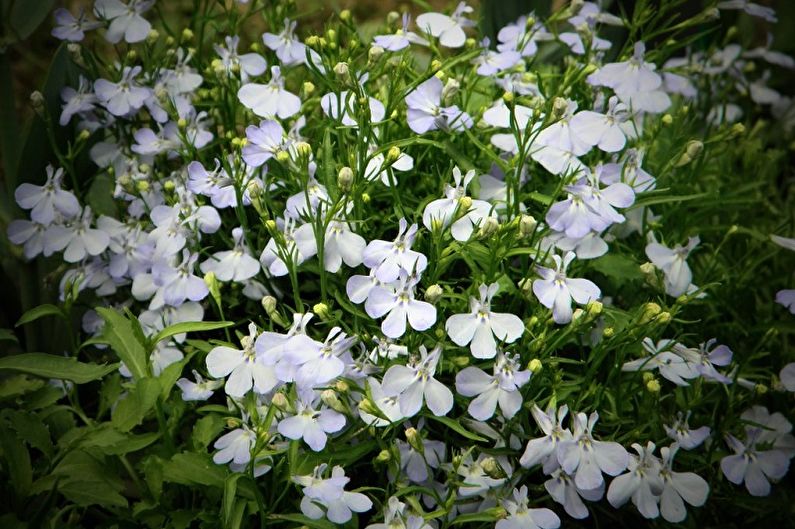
(787, 376)
(293, 244)
(235, 446)
(678, 488)
(389, 407)
(124, 97)
(249, 64)
(753, 466)
(522, 37)
(461, 213)
(399, 305)
(481, 326)
(359, 286)
(563, 490)
(776, 429)
(426, 113)
(415, 383)
(586, 458)
(416, 464)
(476, 481)
(232, 265)
(558, 146)
(311, 200)
(521, 516)
(544, 449)
(390, 258)
(310, 363)
(77, 239)
(200, 389)
(685, 437)
(642, 483)
(288, 48)
(47, 200)
(378, 168)
(77, 102)
(70, 27)
(126, 21)
(401, 39)
(396, 515)
(245, 367)
(555, 290)
(661, 357)
(673, 263)
(449, 29)
(705, 358)
(602, 130)
(755, 10)
(518, 117)
(340, 245)
(27, 233)
(311, 423)
(386, 348)
(330, 494)
(344, 106)
(270, 100)
(490, 390)
(786, 298)
(491, 62)
(263, 142)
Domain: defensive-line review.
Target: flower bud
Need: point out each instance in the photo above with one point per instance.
(594, 308)
(760, 389)
(342, 70)
(653, 386)
(182, 123)
(332, 35)
(282, 156)
(415, 440)
(436, 65)
(527, 225)
(303, 149)
(450, 90)
(375, 53)
(646, 376)
(308, 88)
(470, 43)
(330, 399)
(508, 97)
(270, 225)
(142, 186)
(312, 41)
(280, 401)
(132, 55)
(392, 17)
(526, 286)
(464, 203)
(692, 150)
(75, 54)
(609, 332)
(577, 314)
(345, 179)
(461, 361)
(663, 318)
(559, 107)
(345, 15)
(84, 135)
(187, 35)
(535, 365)
(384, 456)
(152, 36)
(488, 227)
(738, 129)
(342, 387)
(650, 311)
(37, 102)
(212, 284)
(667, 119)
(233, 422)
(392, 155)
(365, 198)
(439, 333)
(169, 186)
(170, 41)
(433, 294)
(269, 304)
(322, 310)
(493, 469)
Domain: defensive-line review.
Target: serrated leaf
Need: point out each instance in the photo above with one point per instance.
(190, 326)
(17, 462)
(39, 312)
(32, 430)
(119, 333)
(17, 385)
(58, 367)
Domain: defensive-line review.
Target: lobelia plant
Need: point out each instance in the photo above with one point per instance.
(408, 276)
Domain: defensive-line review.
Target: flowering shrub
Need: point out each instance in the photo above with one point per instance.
(411, 279)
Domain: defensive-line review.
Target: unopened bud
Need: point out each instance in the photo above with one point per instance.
(269, 304)
(760, 389)
(142, 186)
(488, 227)
(653, 386)
(508, 97)
(365, 198)
(470, 43)
(464, 203)
(527, 225)
(322, 310)
(738, 129)
(342, 387)
(609, 332)
(436, 65)
(663, 318)
(312, 41)
(667, 119)
(76, 54)
(132, 55)
(187, 35)
(650, 311)
(594, 308)
(392, 17)
(559, 107)
(384, 456)
(169, 186)
(37, 102)
(577, 314)
(84, 135)
(282, 157)
(303, 149)
(415, 440)
(493, 469)
(392, 155)
(433, 294)
(535, 365)
(330, 399)
(692, 150)
(342, 70)
(152, 36)
(212, 284)
(345, 15)
(450, 90)
(461, 361)
(332, 35)
(280, 401)
(375, 53)
(182, 123)
(308, 88)
(345, 179)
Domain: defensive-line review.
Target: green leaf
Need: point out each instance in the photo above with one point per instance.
(17, 385)
(39, 312)
(27, 15)
(457, 427)
(190, 326)
(54, 366)
(32, 430)
(618, 266)
(230, 493)
(7, 335)
(100, 196)
(190, 468)
(206, 429)
(92, 493)
(17, 462)
(113, 442)
(119, 333)
(300, 519)
(134, 407)
(489, 515)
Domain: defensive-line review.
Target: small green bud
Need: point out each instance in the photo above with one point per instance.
(322, 310)
(187, 35)
(535, 365)
(493, 469)
(433, 294)
(345, 15)
(308, 88)
(37, 102)
(559, 107)
(212, 284)
(375, 53)
(282, 157)
(653, 386)
(667, 119)
(152, 36)
(342, 70)
(415, 440)
(345, 179)
(488, 227)
(384, 456)
(527, 225)
(392, 155)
